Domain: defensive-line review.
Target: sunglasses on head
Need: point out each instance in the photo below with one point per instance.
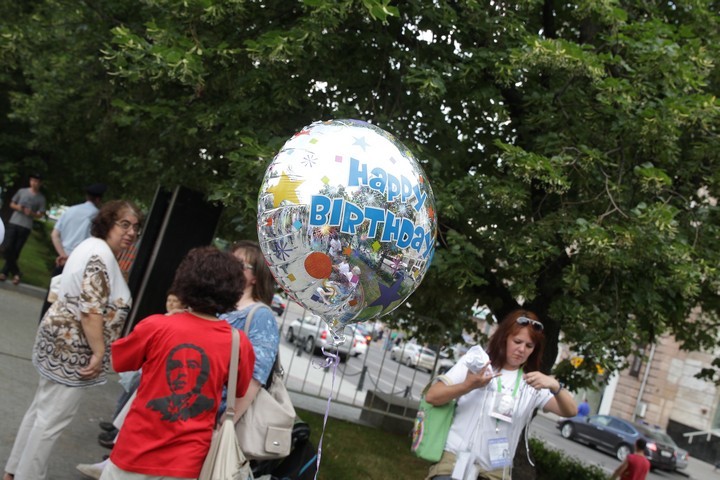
(524, 321)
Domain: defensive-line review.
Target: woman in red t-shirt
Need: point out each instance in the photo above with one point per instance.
(184, 359)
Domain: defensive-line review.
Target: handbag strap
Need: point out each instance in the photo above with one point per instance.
(276, 364)
(232, 374)
(250, 315)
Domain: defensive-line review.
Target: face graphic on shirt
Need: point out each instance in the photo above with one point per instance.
(184, 367)
(187, 368)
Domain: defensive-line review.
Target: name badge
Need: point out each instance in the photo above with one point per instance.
(499, 453)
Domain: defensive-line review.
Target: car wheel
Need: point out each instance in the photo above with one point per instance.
(343, 357)
(567, 430)
(290, 336)
(408, 362)
(622, 452)
(392, 356)
(310, 345)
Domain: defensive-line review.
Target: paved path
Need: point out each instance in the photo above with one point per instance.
(19, 312)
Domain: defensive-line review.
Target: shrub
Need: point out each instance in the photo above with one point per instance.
(551, 464)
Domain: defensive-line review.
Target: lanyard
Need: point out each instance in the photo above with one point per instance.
(515, 390)
(517, 383)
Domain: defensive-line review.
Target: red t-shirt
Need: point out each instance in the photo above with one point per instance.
(638, 467)
(185, 361)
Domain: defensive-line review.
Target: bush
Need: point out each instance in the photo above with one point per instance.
(551, 464)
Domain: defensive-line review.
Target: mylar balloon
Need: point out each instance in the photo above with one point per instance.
(346, 221)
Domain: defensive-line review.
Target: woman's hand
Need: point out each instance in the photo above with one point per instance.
(93, 368)
(481, 378)
(539, 380)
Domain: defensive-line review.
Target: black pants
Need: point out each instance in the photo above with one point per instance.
(15, 238)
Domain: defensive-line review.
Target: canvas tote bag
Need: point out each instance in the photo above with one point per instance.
(431, 428)
(265, 430)
(225, 460)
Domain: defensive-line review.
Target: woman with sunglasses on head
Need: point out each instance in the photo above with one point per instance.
(263, 333)
(71, 349)
(496, 392)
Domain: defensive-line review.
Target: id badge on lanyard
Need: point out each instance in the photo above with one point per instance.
(503, 404)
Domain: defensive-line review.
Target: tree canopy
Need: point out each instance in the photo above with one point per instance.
(572, 146)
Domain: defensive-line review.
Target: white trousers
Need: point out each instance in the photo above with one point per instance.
(52, 409)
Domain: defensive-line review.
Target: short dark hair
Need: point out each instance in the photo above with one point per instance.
(508, 326)
(640, 444)
(264, 287)
(209, 281)
(109, 214)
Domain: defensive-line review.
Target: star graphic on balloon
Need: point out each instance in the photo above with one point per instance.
(360, 142)
(388, 295)
(285, 190)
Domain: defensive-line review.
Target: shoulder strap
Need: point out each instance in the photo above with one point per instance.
(249, 318)
(232, 374)
(276, 365)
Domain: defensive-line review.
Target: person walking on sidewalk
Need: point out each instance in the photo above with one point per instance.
(635, 466)
(72, 228)
(28, 204)
(72, 345)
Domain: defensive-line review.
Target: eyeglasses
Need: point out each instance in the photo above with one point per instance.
(125, 226)
(524, 321)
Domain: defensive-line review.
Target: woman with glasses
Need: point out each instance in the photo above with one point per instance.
(496, 390)
(71, 349)
(263, 333)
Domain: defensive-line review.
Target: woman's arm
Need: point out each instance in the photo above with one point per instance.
(562, 402)
(92, 325)
(243, 403)
(441, 393)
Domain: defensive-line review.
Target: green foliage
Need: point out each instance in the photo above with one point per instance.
(573, 148)
(549, 462)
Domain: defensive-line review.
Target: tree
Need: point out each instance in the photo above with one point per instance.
(572, 148)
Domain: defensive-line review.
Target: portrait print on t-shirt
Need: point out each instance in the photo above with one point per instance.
(186, 369)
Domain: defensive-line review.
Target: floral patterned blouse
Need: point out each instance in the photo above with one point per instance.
(91, 282)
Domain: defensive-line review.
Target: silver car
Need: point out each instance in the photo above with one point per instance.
(312, 333)
(414, 355)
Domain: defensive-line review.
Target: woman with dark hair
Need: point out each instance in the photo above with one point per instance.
(496, 394)
(185, 361)
(263, 334)
(71, 349)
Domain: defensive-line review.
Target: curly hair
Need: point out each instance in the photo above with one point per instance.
(109, 213)
(497, 346)
(264, 286)
(209, 281)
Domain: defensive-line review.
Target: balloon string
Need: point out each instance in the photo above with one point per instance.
(333, 359)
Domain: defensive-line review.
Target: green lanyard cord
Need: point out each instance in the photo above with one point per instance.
(517, 383)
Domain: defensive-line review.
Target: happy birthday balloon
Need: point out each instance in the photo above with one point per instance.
(346, 221)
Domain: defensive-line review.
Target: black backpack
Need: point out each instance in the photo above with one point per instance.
(301, 464)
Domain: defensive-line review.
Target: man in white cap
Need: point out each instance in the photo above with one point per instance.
(73, 227)
(28, 204)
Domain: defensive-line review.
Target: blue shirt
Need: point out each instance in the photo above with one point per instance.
(74, 225)
(264, 336)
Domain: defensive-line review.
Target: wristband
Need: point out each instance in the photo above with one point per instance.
(555, 393)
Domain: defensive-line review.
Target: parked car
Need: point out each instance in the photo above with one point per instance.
(681, 458)
(446, 361)
(278, 304)
(359, 346)
(618, 437)
(312, 333)
(414, 355)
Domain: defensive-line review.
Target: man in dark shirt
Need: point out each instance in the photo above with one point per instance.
(28, 204)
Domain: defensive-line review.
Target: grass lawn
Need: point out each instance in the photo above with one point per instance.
(351, 451)
(38, 256)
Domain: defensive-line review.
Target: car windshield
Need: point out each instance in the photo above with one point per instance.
(427, 351)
